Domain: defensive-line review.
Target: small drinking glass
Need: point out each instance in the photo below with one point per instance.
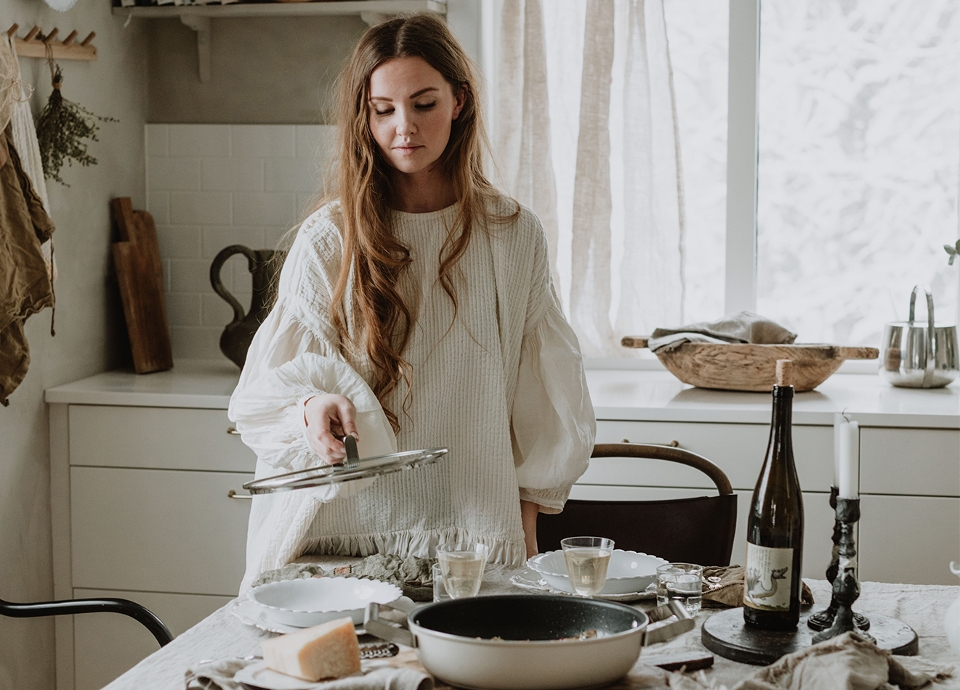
(439, 591)
(680, 582)
(587, 561)
(461, 566)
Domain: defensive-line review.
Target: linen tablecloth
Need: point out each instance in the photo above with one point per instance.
(222, 635)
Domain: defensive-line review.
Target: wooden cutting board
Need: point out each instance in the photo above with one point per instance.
(140, 274)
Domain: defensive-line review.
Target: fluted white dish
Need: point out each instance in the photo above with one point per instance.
(303, 603)
(629, 571)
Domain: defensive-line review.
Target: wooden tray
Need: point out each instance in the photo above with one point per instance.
(748, 367)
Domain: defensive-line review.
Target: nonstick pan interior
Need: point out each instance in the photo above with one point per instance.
(534, 617)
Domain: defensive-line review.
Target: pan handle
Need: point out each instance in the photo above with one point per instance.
(385, 631)
(669, 630)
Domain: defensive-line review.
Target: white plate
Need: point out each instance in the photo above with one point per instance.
(628, 572)
(251, 614)
(532, 581)
(262, 677)
(304, 603)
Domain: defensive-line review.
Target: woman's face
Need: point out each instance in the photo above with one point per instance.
(411, 110)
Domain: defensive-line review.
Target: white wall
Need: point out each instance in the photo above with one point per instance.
(89, 322)
(210, 186)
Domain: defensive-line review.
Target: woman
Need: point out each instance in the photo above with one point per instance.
(414, 310)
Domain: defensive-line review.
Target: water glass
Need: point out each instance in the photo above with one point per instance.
(439, 591)
(461, 568)
(680, 582)
(587, 561)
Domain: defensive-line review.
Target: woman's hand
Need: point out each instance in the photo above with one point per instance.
(328, 416)
(528, 517)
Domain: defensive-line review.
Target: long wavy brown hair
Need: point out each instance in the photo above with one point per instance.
(361, 178)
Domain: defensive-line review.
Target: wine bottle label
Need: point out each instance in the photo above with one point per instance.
(768, 578)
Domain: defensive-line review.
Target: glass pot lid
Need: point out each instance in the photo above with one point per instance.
(352, 469)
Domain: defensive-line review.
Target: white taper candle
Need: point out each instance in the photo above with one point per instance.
(838, 422)
(849, 480)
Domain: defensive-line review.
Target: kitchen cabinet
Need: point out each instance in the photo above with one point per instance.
(142, 468)
(909, 530)
(145, 478)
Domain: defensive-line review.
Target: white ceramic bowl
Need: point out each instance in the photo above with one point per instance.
(303, 603)
(628, 572)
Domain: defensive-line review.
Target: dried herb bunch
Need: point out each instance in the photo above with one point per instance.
(61, 128)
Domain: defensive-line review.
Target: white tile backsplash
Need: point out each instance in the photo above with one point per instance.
(263, 141)
(207, 141)
(233, 174)
(173, 173)
(210, 186)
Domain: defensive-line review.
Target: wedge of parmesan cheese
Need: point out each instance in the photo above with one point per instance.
(329, 650)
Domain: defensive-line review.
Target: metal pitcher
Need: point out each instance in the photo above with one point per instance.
(916, 355)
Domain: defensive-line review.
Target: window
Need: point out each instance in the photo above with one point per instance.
(859, 150)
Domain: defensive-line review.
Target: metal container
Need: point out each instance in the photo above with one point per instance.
(916, 355)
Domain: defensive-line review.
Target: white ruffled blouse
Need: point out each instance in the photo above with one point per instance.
(499, 382)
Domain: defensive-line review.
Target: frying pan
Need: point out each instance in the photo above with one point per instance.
(527, 641)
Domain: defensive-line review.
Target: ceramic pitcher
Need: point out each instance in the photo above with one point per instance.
(263, 265)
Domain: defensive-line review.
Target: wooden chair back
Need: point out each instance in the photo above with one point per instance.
(690, 530)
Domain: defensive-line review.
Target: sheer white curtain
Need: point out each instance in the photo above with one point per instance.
(586, 136)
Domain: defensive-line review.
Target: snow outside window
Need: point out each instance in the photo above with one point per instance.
(859, 151)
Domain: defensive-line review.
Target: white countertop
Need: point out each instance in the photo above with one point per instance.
(617, 394)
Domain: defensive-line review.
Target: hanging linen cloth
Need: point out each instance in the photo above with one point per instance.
(25, 141)
(25, 286)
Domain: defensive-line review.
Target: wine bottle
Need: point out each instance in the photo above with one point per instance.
(771, 597)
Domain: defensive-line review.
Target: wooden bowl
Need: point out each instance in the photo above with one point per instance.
(748, 367)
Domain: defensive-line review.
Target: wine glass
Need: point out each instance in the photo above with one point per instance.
(587, 560)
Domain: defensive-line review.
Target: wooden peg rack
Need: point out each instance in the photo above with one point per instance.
(35, 43)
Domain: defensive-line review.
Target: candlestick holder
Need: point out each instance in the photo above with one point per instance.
(824, 619)
(846, 588)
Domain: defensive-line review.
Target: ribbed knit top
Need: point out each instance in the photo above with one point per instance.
(499, 383)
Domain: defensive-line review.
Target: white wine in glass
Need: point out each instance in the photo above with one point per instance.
(462, 574)
(461, 565)
(587, 560)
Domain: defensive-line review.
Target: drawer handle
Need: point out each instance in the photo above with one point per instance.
(672, 444)
(232, 430)
(240, 497)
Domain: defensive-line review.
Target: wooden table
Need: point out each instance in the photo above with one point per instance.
(222, 635)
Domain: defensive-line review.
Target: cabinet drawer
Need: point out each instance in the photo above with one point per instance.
(817, 516)
(158, 530)
(108, 644)
(738, 450)
(924, 462)
(156, 437)
(909, 539)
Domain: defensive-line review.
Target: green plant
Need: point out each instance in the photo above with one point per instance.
(61, 127)
(952, 252)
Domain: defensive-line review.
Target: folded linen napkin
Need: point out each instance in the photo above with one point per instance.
(743, 327)
(219, 675)
(847, 662)
(723, 587)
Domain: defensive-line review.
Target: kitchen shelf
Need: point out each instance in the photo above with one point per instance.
(287, 9)
(198, 17)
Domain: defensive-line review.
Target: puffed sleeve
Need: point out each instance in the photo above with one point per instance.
(292, 358)
(553, 421)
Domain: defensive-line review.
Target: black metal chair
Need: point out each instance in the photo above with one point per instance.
(689, 530)
(72, 606)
